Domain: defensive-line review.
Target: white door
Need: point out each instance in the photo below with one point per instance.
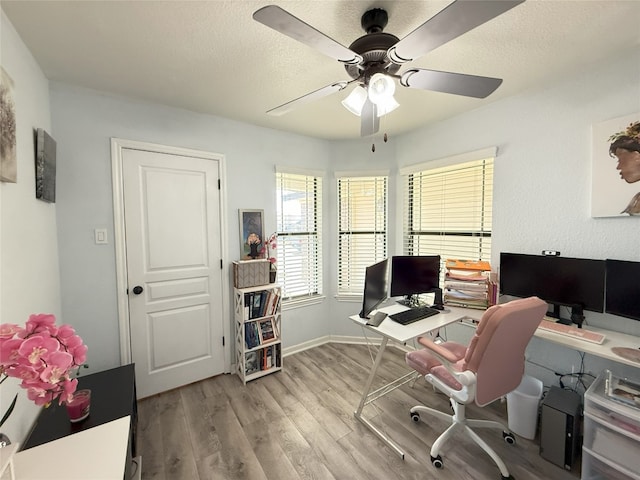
(174, 268)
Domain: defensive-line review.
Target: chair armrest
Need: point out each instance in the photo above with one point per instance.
(447, 358)
(442, 353)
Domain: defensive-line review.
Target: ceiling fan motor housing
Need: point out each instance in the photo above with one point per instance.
(373, 47)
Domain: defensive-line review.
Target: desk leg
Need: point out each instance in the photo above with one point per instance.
(365, 396)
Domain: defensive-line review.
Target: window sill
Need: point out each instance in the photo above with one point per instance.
(304, 302)
(351, 298)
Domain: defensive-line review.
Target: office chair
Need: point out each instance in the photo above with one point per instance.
(487, 369)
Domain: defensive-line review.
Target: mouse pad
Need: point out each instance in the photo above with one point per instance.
(632, 354)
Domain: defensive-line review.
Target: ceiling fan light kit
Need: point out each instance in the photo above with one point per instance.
(355, 101)
(381, 88)
(374, 59)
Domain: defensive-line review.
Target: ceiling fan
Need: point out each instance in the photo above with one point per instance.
(373, 60)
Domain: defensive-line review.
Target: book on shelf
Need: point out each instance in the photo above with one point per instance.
(251, 363)
(251, 334)
(261, 304)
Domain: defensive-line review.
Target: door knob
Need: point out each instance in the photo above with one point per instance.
(137, 290)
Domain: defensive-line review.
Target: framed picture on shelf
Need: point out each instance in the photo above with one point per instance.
(251, 234)
(267, 330)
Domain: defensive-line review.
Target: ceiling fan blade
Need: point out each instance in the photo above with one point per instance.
(370, 122)
(282, 21)
(446, 82)
(309, 97)
(457, 18)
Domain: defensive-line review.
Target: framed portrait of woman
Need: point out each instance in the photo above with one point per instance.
(615, 167)
(251, 234)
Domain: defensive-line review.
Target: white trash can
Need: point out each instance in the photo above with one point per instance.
(522, 407)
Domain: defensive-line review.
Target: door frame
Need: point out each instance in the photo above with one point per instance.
(119, 240)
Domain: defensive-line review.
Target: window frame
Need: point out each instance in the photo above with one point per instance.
(450, 166)
(353, 285)
(314, 283)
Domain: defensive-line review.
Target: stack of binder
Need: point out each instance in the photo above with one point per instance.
(469, 283)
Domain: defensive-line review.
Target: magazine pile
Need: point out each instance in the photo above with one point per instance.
(470, 284)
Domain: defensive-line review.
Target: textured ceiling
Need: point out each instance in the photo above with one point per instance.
(212, 57)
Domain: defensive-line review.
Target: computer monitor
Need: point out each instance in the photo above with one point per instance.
(622, 296)
(412, 275)
(560, 281)
(375, 287)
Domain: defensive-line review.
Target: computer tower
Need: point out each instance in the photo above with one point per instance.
(560, 427)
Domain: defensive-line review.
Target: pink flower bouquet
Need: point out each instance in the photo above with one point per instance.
(44, 356)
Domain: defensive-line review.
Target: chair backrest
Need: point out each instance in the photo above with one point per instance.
(496, 351)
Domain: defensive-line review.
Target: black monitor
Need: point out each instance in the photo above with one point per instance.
(375, 287)
(623, 288)
(572, 282)
(412, 275)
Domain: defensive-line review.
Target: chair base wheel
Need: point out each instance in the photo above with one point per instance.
(415, 416)
(437, 462)
(509, 438)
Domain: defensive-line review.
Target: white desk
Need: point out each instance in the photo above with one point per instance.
(390, 330)
(98, 453)
(612, 339)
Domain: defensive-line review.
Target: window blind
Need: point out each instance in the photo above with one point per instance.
(448, 211)
(299, 227)
(362, 229)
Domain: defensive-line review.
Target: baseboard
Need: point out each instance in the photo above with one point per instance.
(316, 342)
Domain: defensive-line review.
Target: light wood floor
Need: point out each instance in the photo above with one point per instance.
(299, 424)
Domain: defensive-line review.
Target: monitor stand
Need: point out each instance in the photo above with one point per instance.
(410, 301)
(577, 315)
(556, 314)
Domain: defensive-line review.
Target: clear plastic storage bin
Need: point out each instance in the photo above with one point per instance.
(611, 429)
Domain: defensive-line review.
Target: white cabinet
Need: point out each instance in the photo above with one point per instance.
(258, 323)
(611, 429)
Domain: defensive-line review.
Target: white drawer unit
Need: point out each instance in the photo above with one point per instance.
(611, 429)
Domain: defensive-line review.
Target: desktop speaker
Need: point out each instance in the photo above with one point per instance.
(560, 427)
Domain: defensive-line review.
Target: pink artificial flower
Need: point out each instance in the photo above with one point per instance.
(68, 389)
(9, 351)
(66, 331)
(41, 322)
(8, 330)
(79, 354)
(72, 342)
(40, 393)
(43, 356)
(58, 364)
(38, 347)
(27, 373)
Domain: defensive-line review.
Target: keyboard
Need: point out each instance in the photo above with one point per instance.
(573, 332)
(413, 315)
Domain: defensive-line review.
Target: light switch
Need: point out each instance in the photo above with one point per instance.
(101, 236)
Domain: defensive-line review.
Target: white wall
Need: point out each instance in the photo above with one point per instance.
(85, 121)
(29, 276)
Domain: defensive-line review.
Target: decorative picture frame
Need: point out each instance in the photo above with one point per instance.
(611, 194)
(8, 158)
(267, 330)
(45, 166)
(251, 234)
